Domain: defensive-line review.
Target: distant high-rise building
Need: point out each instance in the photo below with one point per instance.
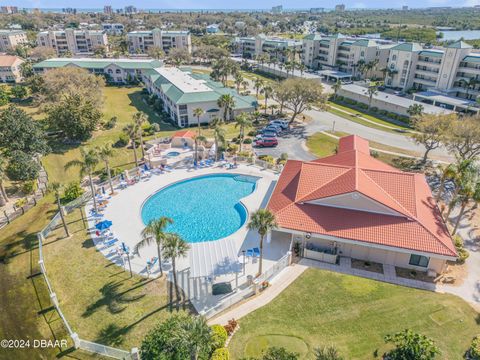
(317, 10)
(277, 9)
(9, 39)
(405, 7)
(107, 9)
(9, 9)
(130, 9)
(340, 7)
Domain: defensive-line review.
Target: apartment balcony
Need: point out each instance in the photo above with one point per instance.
(428, 63)
(428, 82)
(469, 70)
(427, 72)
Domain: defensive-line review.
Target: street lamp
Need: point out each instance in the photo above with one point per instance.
(127, 251)
(243, 251)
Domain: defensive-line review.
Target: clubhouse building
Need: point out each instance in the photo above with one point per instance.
(353, 205)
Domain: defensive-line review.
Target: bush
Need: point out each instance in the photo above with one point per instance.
(463, 254)
(110, 124)
(122, 141)
(29, 187)
(219, 336)
(252, 133)
(22, 167)
(147, 130)
(72, 191)
(374, 153)
(232, 148)
(221, 354)
(340, 98)
(20, 203)
(374, 109)
(247, 141)
(474, 351)
(231, 326)
(156, 127)
(245, 154)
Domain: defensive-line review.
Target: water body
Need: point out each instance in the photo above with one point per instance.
(457, 35)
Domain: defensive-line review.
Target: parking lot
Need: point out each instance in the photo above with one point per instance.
(291, 142)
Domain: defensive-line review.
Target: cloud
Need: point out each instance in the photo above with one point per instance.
(359, 5)
(472, 2)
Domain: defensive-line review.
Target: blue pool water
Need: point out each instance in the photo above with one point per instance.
(172, 154)
(203, 208)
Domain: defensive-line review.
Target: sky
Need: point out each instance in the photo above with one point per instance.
(244, 4)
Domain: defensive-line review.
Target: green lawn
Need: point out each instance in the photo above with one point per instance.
(377, 122)
(354, 314)
(121, 102)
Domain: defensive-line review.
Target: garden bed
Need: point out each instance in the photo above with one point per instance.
(367, 265)
(414, 275)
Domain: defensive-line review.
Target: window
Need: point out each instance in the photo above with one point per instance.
(419, 260)
(362, 53)
(394, 57)
(183, 120)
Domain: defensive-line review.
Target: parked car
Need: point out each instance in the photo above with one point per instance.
(400, 93)
(273, 128)
(381, 88)
(282, 123)
(268, 134)
(267, 142)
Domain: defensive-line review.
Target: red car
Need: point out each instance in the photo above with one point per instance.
(267, 142)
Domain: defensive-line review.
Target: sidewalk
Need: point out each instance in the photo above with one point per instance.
(277, 285)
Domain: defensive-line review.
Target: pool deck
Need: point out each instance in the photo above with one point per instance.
(124, 210)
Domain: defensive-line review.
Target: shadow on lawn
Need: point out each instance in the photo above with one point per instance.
(112, 299)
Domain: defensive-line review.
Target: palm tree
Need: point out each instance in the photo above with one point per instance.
(196, 335)
(132, 132)
(87, 166)
(238, 80)
(470, 191)
(244, 85)
(139, 118)
(263, 221)
(371, 90)
(267, 91)
(3, 194)
(198, 140)
(336, 87)
(256, 115)
(448, 173)
(273, 107)
(175, 247)
(227, 102)
(105, 153)
(466, 172)
(258, 84)
(197, 113)
(57, 188)
(242, 121)
(154, 232)
(218, 134)
(468, 85)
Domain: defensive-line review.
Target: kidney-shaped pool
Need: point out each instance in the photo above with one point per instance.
(203, 208)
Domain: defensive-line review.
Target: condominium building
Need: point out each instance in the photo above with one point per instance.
(73, 41)
(113, 29)
(107, 10)
(10, 69)
(278, 48)
(141, 41)
(453, 70)
(9, 39)
(115, 70)
(9, 9)
(181, 92)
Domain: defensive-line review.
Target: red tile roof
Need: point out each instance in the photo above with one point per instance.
(410, 221)
(184, 134)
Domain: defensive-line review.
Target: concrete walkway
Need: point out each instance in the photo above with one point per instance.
(277, 285)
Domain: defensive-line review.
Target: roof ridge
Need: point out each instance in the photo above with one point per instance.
(432, 234)
(408, 213)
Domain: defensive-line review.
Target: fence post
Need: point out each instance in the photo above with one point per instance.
(76, 340)
(290, 258)
(6, 216)
(135, 354)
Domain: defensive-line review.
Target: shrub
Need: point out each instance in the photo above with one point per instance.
(22, 167)
(283, 156)
(245, 154)
(463, 254)
(474, 351)
(252, 133)
(72, 191)
(231, 326)
(340, 98)
(147, 130)
(156, 127)
(29, 187)
(122, 140)
(374, 153)
(247, 141)
(374, 109)
(232, 148)
(110, 124)
(221, 354)
(20, 203)
(219, 336)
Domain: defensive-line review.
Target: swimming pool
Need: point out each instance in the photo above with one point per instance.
(203, 208)
(172, 154)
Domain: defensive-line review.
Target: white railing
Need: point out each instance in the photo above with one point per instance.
(275, 269)
(228, 302)
(104, 350)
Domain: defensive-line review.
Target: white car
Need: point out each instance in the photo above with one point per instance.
(282, 123)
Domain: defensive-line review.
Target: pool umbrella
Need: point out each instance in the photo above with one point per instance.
(145, 167)
(102, 225)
